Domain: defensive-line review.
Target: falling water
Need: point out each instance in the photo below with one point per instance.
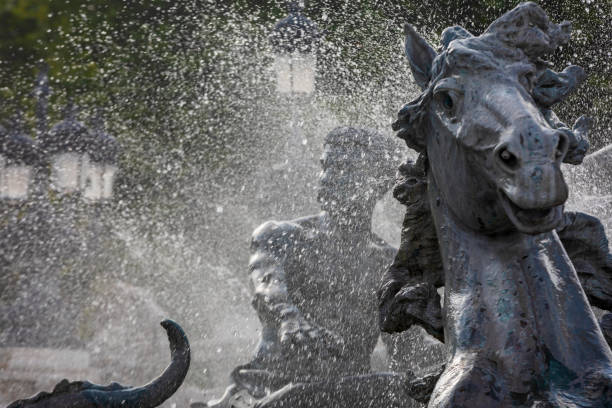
(86, 286)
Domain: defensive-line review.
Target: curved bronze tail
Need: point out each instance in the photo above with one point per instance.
(81, 394)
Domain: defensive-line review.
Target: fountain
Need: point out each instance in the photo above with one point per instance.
(474, 325)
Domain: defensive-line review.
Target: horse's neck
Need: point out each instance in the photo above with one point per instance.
(514, 295)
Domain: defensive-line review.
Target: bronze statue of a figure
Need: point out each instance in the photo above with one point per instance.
(314, 281)
(485, 217)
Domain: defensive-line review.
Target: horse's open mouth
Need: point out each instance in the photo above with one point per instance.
(531, 221)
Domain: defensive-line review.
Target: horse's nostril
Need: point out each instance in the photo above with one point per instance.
(508, 159)
(562, 146)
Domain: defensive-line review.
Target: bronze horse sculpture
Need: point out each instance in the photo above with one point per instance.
(517, 322)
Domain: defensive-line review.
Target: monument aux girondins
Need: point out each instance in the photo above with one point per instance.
(485, 220)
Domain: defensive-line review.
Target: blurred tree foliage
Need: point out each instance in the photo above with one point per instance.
(167, 73)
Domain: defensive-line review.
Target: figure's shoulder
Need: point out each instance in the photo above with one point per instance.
(382, 247)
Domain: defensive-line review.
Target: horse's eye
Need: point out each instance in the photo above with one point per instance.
(446, 101)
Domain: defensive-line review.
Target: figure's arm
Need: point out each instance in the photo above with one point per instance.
(272, 248)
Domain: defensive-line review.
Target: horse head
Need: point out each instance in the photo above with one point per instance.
(483, 121)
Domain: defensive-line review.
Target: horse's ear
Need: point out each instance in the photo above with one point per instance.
(420, 55)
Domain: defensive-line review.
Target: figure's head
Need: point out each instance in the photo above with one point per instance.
(358, 168)
(491, 151)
